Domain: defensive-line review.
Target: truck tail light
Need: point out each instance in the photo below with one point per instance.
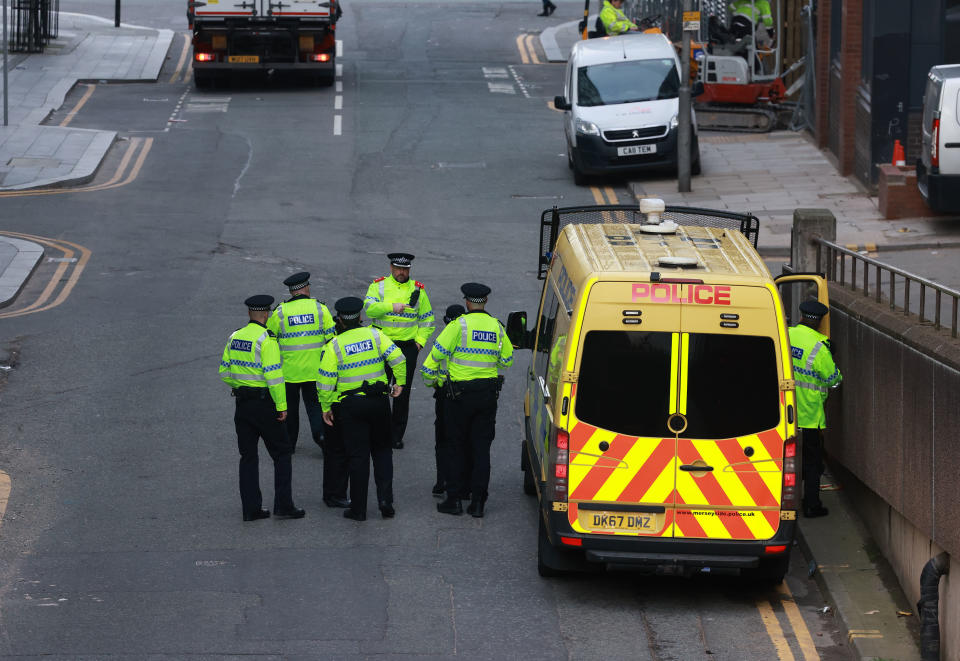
(935, 143)
(790, 497)
(320, 57)
(560, 466)
(203, 57)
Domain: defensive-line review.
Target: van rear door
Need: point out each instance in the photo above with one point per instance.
(622, 456)
(732, 413)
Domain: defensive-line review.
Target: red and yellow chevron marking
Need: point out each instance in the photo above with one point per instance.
(739, 499)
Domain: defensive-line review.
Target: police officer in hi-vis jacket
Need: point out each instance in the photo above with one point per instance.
(475, 347)
(251, 366)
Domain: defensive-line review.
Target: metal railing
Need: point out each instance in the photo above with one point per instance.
(850, 268)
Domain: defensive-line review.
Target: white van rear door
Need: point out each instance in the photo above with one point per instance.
(950, 127)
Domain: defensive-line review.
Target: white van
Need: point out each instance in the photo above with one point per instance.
(620, 106)
(938, 168)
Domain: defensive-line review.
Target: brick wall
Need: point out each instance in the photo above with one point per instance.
(914, 137)
(898, 194)
(834, 111)
(850, 54)
(823, 73)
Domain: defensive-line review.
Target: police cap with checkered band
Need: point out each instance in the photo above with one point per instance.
(259, 303)
(475, 292)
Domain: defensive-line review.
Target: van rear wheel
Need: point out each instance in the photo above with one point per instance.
(529, 486)
(770, 571)
(546, 554)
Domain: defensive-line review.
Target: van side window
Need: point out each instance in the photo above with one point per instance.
(732, 386)
(546, 328)
(624, 382)
(931, 102)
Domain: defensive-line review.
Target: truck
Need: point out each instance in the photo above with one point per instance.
(263, 35)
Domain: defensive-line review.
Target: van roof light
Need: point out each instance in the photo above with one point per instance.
(668, 227)
(678, 260)
(652, 208)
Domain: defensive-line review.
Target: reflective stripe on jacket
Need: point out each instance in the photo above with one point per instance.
(302, 326)
(252, 359)
(355, 356)
(474, 347)
(614, 20)
(413, 323)
(814, 373)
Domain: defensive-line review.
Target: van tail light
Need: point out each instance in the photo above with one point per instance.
(935, 143)
(790, 497)
(203, 57)
(560, 466)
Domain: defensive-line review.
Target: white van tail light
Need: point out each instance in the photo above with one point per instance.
(935, 143)
(560, 466)
(790, 498)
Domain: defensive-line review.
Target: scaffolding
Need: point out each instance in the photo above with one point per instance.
(33, 24)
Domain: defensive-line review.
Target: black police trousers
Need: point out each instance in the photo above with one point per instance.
(363, 423)
(812, 448)
(335, 466)
(310, 402)
(256, 418)
(400, 407)
(470, 422)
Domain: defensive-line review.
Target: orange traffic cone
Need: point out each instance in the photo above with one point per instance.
(899, 158)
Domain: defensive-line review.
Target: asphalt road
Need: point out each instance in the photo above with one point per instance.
(123, 536)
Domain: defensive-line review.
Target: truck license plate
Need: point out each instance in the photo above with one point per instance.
(243, 59)
(626, 521)
(636, 149)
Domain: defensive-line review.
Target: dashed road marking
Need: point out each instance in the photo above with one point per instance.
(338, 100)
(519, 81)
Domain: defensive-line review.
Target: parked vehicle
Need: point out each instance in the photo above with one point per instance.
(660, 413)
(938, 168)
(620, 106)
(263, 35)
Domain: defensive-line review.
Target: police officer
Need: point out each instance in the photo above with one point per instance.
(614, 20)
(753, 13)
(302, 326)
(250, 365)
(401, 309)
(453, 311)
(352, 382)
(475, 348)
(814, 372)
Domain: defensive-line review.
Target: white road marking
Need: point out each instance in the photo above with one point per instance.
(519, 81)
(495, 72)
(338, 103)
(337, 124)
(339, 48)
(501, 88)
(339, 86)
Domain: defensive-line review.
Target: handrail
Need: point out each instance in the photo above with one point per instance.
(829, 254)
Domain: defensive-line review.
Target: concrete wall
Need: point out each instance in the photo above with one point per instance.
(895, 426)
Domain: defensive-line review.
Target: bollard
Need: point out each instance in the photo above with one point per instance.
(807, 224)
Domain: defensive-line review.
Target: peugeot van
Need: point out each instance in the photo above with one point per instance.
(938, 168)
(620, 106)
(660, 413)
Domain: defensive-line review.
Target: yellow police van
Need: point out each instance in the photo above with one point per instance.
(660, 411)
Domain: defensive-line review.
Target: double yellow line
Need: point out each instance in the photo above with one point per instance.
(131, 163)
(528, 49)
(188, 71)
(598, 195)
(69, 251)
(801, 634)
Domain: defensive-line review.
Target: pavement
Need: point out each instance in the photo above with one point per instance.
(769, 175)
(87, 48)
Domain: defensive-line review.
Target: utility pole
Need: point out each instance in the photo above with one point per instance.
(116, 15)
(691, 23)
(6, 47)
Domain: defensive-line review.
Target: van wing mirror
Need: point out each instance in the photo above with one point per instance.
(560, 103)
(517, 330)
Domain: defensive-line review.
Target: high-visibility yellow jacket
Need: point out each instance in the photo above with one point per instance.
(414, 323)
(814, 372)
(475, 346)
(614, 20)
(302, 326)
(252, 358)
(355, 356)
(758, 12)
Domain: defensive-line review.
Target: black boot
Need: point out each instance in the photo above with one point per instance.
(450, 506)
(386, 509)
(475, 509)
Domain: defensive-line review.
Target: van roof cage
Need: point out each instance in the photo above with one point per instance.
(555, 219)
